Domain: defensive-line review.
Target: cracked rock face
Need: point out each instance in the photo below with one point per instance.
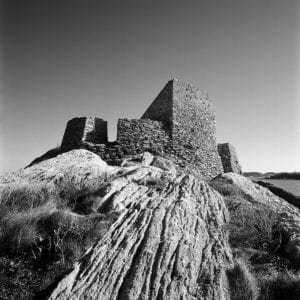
(168, 243)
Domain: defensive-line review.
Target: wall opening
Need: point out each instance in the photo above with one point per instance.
(112, 130)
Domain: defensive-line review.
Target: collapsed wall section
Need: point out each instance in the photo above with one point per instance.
(84, 129)
(133, 137)
(229, 158)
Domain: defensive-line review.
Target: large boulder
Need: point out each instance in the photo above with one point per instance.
(169, 243)
(146, 159)
(81, 164)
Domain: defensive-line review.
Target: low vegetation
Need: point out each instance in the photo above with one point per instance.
(41, 235)
(241, 282)
(46, 227)
(255, 250)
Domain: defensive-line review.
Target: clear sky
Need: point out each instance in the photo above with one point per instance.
(67, 58)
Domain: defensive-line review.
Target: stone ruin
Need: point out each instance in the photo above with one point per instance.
(179, 124)
(229, 158)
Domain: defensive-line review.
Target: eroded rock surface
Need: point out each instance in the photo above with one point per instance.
(81, 164)
(169, 243)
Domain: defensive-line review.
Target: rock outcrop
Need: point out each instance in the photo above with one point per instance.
(286, 230)
(169, 243)
(79, 165)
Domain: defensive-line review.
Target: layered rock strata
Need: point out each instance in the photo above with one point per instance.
(169, 243)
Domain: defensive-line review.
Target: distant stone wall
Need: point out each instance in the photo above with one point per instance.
(229, 158)
(84, 129)
(179, 124)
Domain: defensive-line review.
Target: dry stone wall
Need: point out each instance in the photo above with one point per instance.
(179, 124)
(194, 128)
(229, 158)
(84, 129)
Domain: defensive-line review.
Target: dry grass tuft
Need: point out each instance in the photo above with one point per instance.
(283, 286)
(40, 230)
(241, 282)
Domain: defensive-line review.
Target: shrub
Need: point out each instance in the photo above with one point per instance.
(284, 286)
(241, 282)
(68, 235)
(18, 197)
(252, 227)
(225, 188)
(17, 236)
(40, 230)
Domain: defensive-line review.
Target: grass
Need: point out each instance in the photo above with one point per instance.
(41, 233)
(284, 286)
(255, 247)
(251, 227)
(241, 282)
(251, 224)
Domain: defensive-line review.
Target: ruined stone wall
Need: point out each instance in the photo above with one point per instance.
(179, 124)
(229, 158)
(84, 129)
(133, 137)
(194, 128)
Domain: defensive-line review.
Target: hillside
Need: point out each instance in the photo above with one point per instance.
(74, 227)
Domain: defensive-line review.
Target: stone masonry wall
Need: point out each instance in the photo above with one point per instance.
(87, 129)
(147, 135)
(194, 128)
(229, 158)
(133, 137)
(179, 124)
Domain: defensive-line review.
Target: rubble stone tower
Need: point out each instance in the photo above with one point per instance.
(190, 118)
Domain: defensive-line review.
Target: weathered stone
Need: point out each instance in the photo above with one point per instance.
(180, 122)
(164, 164)
(84, 129)
(229, 158)
(169, 243)
(81, 167)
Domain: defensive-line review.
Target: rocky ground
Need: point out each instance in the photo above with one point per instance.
(72, 227)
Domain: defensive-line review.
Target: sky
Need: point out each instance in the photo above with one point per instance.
(109, 59)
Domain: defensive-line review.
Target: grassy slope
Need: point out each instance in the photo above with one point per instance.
(42, 234)
(251, 239)
(47, 220)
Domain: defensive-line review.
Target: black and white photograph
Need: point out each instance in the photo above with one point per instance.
(150, 150)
